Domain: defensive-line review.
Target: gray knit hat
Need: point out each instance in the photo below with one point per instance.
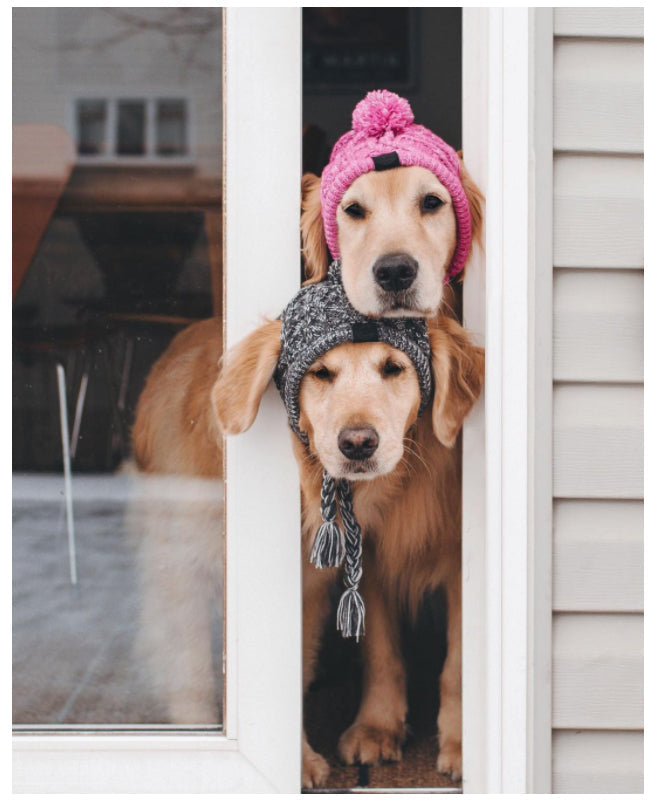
(317, 319)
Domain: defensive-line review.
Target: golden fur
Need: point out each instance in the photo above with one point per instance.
(409, 515)
(393, 223)
(173, 422)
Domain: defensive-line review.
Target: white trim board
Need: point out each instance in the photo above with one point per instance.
(507, 144)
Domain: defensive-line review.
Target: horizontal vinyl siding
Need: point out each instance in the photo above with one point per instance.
(599, 95)
(598, 556)
(598, 441)
(603, 22)
(595, 762)
(598, 211)
(598, 314)
(598, 671)
(598, 326)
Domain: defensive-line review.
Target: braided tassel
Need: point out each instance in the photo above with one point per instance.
(351, 614)
(328, 549)
(351, 609)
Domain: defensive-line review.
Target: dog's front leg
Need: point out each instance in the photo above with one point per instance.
(450, 716)
(379, 729)
(316, 583)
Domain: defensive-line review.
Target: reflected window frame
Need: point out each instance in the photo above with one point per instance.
(108, 149)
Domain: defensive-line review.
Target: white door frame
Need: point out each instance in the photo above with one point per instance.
(259, 750)
(507, 144)
(506, 490)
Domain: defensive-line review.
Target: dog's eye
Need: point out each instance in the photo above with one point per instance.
(391, 368)
(431, 202)
(322, 373)
(355, 211)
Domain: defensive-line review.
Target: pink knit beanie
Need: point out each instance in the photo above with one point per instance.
(383, 136)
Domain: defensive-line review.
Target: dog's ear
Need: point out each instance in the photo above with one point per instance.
(246, 371)
(459, 370)
(314, 247)
(475, 198)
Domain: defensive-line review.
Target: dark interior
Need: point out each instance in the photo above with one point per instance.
(101, 282)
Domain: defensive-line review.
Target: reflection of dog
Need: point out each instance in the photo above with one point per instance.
(358, 404)
(173, 422)
(175, 524)
(175, 520)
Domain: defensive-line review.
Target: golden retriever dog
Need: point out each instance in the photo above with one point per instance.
(399, 219)
(174, 522)
(407, 504)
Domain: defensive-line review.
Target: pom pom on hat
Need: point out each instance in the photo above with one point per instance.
(382, 111)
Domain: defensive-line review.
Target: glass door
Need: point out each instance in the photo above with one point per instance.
(118, 543)
(150, 595)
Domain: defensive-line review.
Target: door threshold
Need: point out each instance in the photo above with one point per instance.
(435, 790)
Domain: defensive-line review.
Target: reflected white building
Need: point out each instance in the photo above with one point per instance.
(128, 85)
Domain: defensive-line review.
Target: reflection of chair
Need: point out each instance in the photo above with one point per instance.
(124, 331)
(42, 161)
(70, 349)
(131, 328)
(141, 253)
(139, 227)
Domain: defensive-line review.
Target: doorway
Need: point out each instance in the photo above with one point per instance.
(417, 53)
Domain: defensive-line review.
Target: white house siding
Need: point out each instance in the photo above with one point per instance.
(597, 649)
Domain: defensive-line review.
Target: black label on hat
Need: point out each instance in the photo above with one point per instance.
(386, 161)
(365, 332)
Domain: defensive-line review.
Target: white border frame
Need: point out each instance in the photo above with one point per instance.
(260, 748)
(507, 96)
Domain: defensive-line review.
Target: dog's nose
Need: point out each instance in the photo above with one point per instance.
(395, 272)
(358, 443)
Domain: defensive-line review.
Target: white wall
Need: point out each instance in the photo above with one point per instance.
(597, 650)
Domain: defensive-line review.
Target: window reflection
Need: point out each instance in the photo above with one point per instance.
(91, 127)
(131, 128)
(117, 233)
(171, 128)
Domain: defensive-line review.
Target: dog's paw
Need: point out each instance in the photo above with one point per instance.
(315, 769)
(369, 744)
(450, 760)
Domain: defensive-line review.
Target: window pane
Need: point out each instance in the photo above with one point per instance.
(91, 127)
(117, 574)
(131, 128)
(171, 128)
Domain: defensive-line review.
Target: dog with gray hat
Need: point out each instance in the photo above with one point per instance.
(375, 406)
